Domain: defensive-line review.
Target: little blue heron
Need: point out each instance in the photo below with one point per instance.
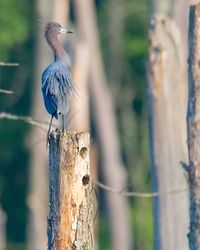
(57, 78)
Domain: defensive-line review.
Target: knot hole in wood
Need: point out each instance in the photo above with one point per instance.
(86, 180)
(83, 152)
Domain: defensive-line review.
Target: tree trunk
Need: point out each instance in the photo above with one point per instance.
(115, 18)
(167, 129)
(70, 222)
(103, 112)
(193, 123)
(80, 114)
(163, 6)
(60, 13)
(38, 194)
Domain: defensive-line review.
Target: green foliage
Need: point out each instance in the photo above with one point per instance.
(16, 45)
(142, 221)
(104, 235)
(15, 246)
(13, 25)
(14, 172)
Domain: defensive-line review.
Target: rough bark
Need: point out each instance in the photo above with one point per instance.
(103, 112)
(193, 122)
(70, 222)
(3, 220)
(167, 129)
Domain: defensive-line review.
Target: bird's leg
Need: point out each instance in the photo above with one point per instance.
(48, 132)
(63, 123)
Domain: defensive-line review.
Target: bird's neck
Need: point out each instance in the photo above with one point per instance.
(59, 51)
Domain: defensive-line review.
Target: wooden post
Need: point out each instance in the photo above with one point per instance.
(70, 222)
(193, 123)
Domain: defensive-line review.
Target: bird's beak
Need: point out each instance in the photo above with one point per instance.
(64, 31)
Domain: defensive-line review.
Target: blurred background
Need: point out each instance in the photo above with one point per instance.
(109, 53)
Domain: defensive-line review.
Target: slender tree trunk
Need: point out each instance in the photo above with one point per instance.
(71, 215)
(167, 128)
(115, 17)
(60, 12)
(163, 6)
(38, 194)
(80, 108)
(103, 112)
(193, 123)
(79, 113)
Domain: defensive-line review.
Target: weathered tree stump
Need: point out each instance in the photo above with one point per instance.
(70, 222)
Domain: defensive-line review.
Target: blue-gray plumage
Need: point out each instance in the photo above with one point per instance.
(57, 88)
(57, 79)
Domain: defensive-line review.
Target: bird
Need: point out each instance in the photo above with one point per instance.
(57, 84)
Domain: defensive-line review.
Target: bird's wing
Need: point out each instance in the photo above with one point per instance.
(50, 99)
(57, 88)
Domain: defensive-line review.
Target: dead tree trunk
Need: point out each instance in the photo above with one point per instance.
(167, 112)
(80, 100)
(38, 194)
(70, 222)
(193, 123)
(103, 111)
(38, 190)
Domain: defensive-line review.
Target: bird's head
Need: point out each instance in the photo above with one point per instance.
(55, 29)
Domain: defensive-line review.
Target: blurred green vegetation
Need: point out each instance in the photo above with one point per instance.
(17, 38)
(14, 25)
(17, 42)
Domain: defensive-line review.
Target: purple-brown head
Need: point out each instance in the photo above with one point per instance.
(55, 28)
(52, 30)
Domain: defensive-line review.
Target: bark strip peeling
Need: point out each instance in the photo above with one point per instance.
(193, 123)
(70, 222)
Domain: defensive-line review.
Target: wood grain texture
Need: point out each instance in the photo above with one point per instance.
(193, 122)
(70, 222)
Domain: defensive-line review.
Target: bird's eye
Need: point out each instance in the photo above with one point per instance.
(61, 30)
